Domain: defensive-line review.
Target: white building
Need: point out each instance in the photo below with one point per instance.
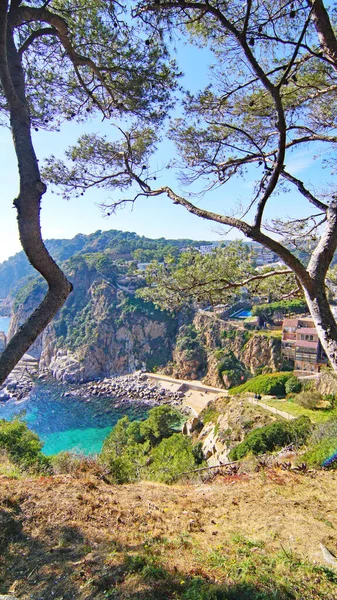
(209, 249)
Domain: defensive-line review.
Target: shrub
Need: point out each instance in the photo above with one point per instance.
(230, 366)
(149, 449)
(322, 446)
(198, 589)
(161, 423)
(273, 383)
(268, 438)
(170, 458)
(293, 385)
(22, 445)
(283, 307)
(189, 342)
(322, 454)
(308, 399)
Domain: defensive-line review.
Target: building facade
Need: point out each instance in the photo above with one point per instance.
(301, 344)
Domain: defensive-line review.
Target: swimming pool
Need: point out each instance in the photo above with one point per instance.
(242, 314)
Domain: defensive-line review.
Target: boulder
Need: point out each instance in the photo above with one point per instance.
(192, 425)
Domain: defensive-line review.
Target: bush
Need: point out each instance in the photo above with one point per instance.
(322, 446)
(268, 438)
(23, 446)
(149, 449)
(293, 385)
(161, 423)
(230, 366)
(283, 307)
(273, 383)
(308, 399)
(170, 458)
(189, 342)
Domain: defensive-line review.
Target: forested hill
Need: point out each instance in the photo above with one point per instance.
(121, 246)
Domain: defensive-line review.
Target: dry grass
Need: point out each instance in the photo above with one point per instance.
(79, 538)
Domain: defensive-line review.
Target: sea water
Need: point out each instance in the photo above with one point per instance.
(69, 423)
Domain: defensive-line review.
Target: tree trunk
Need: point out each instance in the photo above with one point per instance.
(28, 205)
(324, 321)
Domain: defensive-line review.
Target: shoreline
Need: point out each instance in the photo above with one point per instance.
(124, 389)
(150, 389)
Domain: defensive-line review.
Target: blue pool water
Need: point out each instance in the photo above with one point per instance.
(69, 423)
(242, 314)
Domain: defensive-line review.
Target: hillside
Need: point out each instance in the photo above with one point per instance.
(75, 537)
(105, 329)
(102, 329)
(15, 272)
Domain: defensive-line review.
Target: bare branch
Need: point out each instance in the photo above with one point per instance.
(304, 191)
(296, 50)
(34, 36)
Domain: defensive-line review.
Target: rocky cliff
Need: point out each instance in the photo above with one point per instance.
(220, 353)
(100, 331)
(223, 424)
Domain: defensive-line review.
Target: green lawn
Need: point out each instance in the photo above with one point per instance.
(316, 416)
(275, 333)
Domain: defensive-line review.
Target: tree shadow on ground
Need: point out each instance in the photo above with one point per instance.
(61, 561)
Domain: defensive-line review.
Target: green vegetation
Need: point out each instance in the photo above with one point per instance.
(322, 446)
(319, 415)
(270, 437)
(279, 309)
(230, 366)
(150, 449)
(115, 246)
(194, 277)
(293, 385)
(308, 399)
(23, 447)
(273, 383)
(189, 343)
(211, 413)
(245, 569)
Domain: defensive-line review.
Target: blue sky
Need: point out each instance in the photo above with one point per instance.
(150, 217)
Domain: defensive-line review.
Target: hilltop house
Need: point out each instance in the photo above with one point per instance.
(301, 345)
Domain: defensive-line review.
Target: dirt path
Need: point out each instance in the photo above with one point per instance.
(197, 395)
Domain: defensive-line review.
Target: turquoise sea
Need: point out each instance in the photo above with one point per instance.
(69, 423)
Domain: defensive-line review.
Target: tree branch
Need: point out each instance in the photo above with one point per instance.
(226, 284)
(28, 14)
(35, 35)
(304, 191)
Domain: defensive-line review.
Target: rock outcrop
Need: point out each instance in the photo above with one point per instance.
(101, 331)
(229, 356)
(223, 424)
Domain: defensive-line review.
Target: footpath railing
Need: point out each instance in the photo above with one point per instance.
(272, 409)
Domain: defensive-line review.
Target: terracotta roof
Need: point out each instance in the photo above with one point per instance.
(290, 322)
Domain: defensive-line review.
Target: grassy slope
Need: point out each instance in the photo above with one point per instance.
(316, 416)
(246, 537)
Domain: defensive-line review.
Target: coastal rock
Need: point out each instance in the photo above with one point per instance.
(192, 425)
(101, 330)
(126, 389)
